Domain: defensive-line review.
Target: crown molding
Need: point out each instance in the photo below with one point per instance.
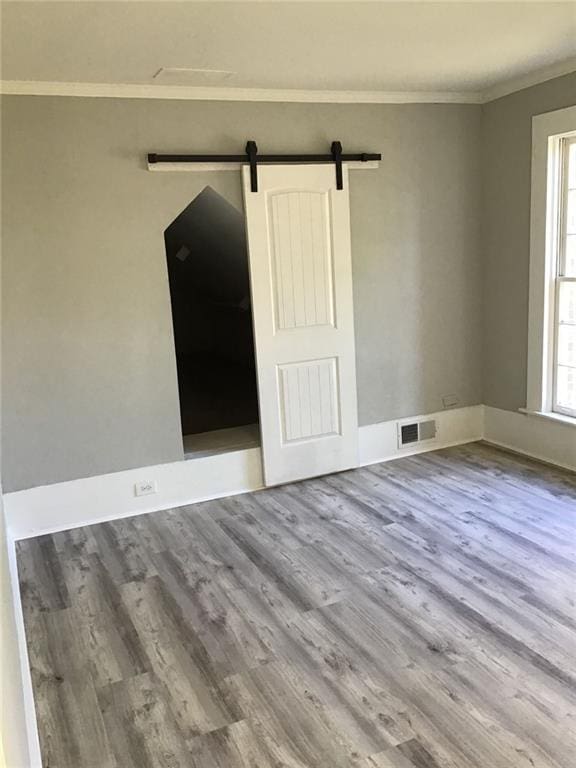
(194, 93)
(565, 67)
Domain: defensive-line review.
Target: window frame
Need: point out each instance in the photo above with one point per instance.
(549, 131)
(559, 256)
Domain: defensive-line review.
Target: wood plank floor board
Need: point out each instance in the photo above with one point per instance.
(42, 581)
(178, 658)
(445, 537)
(251, 514)
(458, 735)
(232, 562)
(470, 532)
(276, 566)
(489, 624)
(142, 730)
(259, 743)
(339, 687)
(228, 633)
(415, 707)
(73, 731)
(371, 648)
(482, 689)
(125, 557)
(318, 495)
(391, 758)
(442, 495)
(75, 542)
(493, 607)
(240, 745)
(277, 694)
(536, 525)
(156, 532)
(113, 646)
(280, 508)
(547, 478)
(417, 754)
(506, 474)
(414, 614)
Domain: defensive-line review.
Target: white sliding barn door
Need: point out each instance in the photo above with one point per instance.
(300, 268)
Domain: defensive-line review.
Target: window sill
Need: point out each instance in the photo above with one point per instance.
(550, 416)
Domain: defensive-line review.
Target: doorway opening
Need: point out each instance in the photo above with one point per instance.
(209, 281)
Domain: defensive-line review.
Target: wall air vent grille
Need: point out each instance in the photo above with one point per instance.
(409, 433)
(416, 432)
(427, 430)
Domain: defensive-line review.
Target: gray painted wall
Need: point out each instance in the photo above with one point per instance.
(89, 371)
(507, 149)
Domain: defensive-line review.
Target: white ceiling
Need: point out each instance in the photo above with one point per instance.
(462, 47)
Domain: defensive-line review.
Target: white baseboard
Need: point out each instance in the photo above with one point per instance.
(90, 500)
(551, 441)
(51, 508)
(379, 442)
(58, 507)
(31, 735)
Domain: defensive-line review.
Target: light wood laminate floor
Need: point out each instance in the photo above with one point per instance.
(414, 614)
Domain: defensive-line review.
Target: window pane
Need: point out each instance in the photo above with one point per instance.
(570, 266)
(567, 308)
(566, 387)
(567, 345)
(571, 213)
(572, 166)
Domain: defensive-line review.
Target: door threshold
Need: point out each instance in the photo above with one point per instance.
(221, 441)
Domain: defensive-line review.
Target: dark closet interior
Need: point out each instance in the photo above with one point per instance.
(211, 312)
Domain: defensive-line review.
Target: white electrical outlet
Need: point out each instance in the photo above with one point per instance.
(145, 487)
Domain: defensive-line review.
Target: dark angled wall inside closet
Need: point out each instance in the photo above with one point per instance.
(210, 294)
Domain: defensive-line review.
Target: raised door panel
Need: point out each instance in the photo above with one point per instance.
(309, 399)
(300, 247)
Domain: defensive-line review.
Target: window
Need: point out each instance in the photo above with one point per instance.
(551, 387)
(564, 358)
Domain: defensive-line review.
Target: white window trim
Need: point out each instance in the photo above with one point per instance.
(547, 129)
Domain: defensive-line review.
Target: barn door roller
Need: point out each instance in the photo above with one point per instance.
(336, 149)
(252, 151)
(253, 159)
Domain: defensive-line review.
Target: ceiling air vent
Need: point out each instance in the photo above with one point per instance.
(416, 432)
(191, 76)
